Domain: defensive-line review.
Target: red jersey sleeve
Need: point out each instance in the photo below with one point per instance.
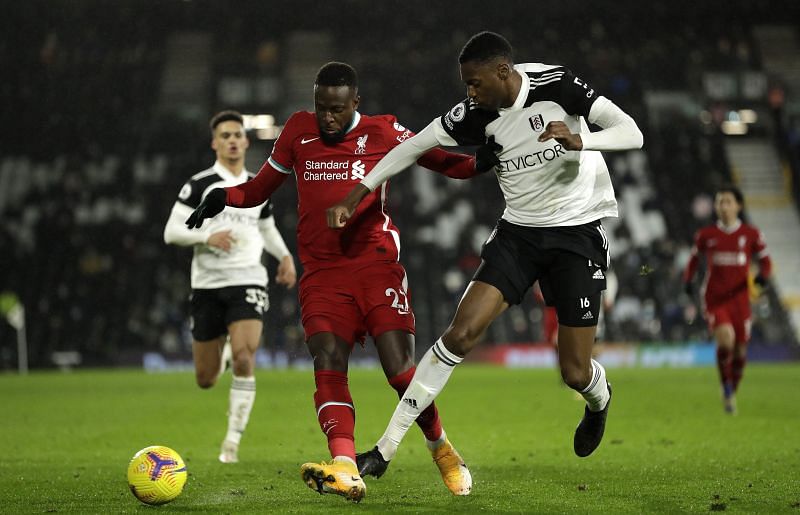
(694, 259)
(456, 166)
(272, 173)
(256, 191)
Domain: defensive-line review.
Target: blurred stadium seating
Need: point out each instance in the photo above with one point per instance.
(108, 114)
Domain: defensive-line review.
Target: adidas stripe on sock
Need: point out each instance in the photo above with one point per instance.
(596, 393)
(432, 373)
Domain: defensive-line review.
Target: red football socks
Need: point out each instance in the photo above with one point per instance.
(335, 412)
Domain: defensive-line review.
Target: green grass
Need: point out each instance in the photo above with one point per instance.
(67, 440)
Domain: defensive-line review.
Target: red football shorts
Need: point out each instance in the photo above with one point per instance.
(735, 312)
(353, 302)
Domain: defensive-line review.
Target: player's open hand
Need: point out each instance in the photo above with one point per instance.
(222, 240)
(561, 133)
(211, 206)
(338, 215)
(287, 274)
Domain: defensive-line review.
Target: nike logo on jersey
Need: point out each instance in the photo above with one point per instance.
(304, 141)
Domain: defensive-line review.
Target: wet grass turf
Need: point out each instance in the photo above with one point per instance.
(67, 440)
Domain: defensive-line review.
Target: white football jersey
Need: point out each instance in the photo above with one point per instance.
(212, 267)
(544, 185)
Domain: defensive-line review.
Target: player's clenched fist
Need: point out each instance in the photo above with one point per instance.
(338, 215)
(561, 133)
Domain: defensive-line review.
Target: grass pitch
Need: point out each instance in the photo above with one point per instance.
(67, 440)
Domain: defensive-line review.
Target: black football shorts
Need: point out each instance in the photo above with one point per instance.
(568, 262)
(213, 310)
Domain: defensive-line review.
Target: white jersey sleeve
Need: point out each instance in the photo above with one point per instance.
(620, 131)
(176, 232)
(401, 157)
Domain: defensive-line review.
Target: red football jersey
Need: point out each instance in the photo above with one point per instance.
(728, 253)
(325, 174)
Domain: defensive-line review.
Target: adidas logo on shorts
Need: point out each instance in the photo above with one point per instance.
(588, 315)
(598, 274)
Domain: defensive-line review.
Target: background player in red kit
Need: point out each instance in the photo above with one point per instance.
(352, 283)
(728, 246)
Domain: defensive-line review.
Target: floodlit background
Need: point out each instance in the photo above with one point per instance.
(104, 116)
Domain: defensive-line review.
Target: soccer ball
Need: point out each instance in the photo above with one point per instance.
(156, 475)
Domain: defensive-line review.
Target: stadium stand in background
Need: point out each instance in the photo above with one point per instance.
(106, 121)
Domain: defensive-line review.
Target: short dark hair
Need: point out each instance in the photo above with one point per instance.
(337, 74)
(733, 190)
(485, 46)
(225, 116)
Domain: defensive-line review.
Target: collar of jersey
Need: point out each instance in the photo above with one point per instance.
(522, 94)
(225, 173)
(729, 230)
(354, 122)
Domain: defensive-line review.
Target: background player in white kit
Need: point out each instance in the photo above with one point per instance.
(556, 187)
(229, 295)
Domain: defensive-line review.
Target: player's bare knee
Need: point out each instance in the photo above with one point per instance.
(328, 358)
(725, 336)
(460, 339)
(242, 365)
(393, 369)
(575, 377)
(206, 379)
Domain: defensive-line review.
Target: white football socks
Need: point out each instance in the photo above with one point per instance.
(432, 373)
(596, 394)
(242, 397)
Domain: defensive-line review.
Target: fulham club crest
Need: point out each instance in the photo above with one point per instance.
(537, 122)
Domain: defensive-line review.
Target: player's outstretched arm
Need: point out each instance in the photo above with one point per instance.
(401, 157)
(248, 194)
(397, 160)
(462, 166)
(449, 164)
(258, 190)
